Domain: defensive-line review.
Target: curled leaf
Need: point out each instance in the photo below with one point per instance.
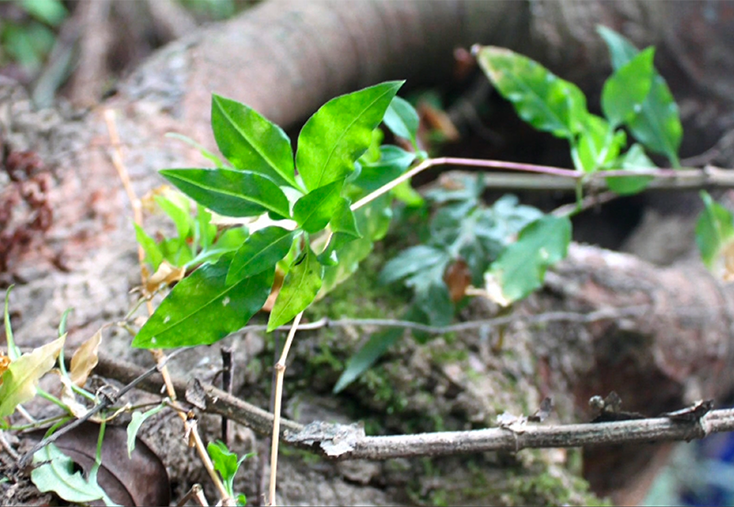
(85, 359)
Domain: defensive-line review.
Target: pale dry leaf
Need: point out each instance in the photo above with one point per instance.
(165, 274)
(85, 359)
(21, 377)
(69, 398)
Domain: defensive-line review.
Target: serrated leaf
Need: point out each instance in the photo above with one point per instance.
(626, 90)
(714, 230)
(634, 159)
(300, 287)
(137, 420)
(202, 309)
(21, 378)
(261, 251)
(402, 119)
(85, 359)
(366, 356)
(541, 98)
(230, 193)
(55, 472)
(339, 132)
(520, 268)
(313, 211)
(411, 261)
(658, 125)
(251, 142)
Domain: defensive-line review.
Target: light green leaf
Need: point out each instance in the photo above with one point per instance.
(261, 251)
(658, 125)
(392, 163)
(367, 355)
(313, 211)
(229, 241)
(714, 230)
(300, 287)
(231, 193)
(204, 152)
(21, 378)
(180, 217)
(541, 98)
(202, 309)
(410, 261)
(54, 471)
(597, 145)
(251, 142)
(626, 90)
(225, 461)
(344, 228)
(520, 268)
(137, 420)
(339, 132)
(634, 159)
(402, 119)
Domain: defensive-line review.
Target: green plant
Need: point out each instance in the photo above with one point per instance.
(227, 464)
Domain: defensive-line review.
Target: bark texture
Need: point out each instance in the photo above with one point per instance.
(285, 58)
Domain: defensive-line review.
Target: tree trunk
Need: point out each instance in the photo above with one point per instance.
(285, 58)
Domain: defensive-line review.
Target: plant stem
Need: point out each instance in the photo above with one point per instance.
(280, 374)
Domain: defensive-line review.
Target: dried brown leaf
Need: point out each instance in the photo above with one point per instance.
(165, 274)
(85, 359)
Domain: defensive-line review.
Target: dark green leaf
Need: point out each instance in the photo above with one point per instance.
(635, 158)
(230, 193)
(626, 90)
(202, 309)
(260, 252)
(300, 287)
(367, 355)
(520, 268)
(251, 142)
(402, 119)
(714, 230)
(339, 132)
(541, 98)
(313, 211)
(657, 125)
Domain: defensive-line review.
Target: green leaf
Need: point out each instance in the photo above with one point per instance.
(137, 420)
(225, 462)
(520, 268)
(541, 98)
(344, 228)
(313, 211)
(54, 471)
(635, 158)
(597, 145)
(51, 12)
(21, 378)
(402, 119)
(204, 152)
(411, 261)
(180, 217)
(202, 309)
(251, 142)
(205, 231)
(13, 350)
(392, 163)
(300, 287)
(714, 230)
(261, 251)
(367, 355)
(229, 241)
(339, 132)
(231, 193)
(626, 90)
(658, 125)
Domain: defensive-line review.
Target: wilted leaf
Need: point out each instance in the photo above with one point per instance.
(165, 274)
(21, 377)
(85, 359)
(339, 132)
(457, 278)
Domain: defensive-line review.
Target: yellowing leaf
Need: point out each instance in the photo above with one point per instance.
(164, 274)
(21, 377)
(85, 359)
(4, 363)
